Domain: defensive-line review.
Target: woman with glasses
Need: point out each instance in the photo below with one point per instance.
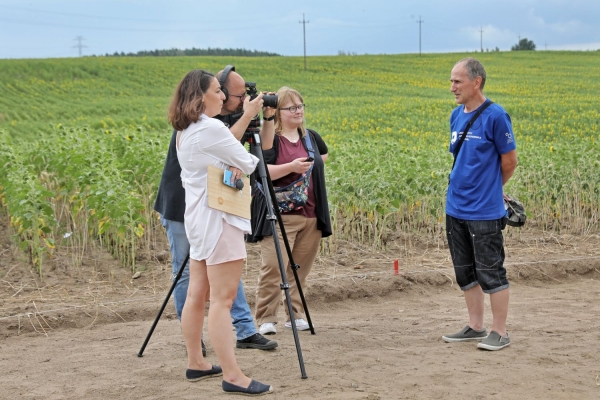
(217, 248)
(288, 161)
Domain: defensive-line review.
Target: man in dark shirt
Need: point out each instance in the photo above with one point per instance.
(170, 203)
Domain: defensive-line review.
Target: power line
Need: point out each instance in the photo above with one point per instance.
(303, 22)
(481, 38)
(101, 28)
(79, 45)
(66, 14)
(246, 17)
(420, 22)
(441, 26)
(353, 27)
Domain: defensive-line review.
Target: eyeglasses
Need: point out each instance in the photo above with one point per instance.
(293, 109)
(240, 96)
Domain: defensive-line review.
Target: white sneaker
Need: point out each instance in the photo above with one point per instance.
(267, 328)
(301, 325)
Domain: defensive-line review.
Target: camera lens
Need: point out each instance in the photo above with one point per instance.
(270, 100)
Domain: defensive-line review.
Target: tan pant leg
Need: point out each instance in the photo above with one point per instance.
(268, 291)
(304, 252)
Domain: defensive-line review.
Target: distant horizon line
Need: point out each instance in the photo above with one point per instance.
(345, 54)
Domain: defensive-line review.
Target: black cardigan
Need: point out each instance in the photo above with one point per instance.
(170, 199)
(260, 226)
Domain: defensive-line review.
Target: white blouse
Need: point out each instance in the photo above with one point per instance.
(203, 143)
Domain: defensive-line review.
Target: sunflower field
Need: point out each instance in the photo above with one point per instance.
(83, 142)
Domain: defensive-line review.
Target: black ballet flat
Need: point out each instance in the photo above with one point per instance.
(254, 389)
(195, 375)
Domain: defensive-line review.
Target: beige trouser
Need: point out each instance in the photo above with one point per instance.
(304, 239)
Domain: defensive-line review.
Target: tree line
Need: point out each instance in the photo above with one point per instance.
(194, 52)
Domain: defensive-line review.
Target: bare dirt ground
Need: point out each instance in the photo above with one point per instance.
(75, 334)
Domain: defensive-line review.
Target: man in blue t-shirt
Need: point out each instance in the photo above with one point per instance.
(475, 213)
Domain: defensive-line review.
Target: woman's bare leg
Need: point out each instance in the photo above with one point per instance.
(224, 280)
(192, 316)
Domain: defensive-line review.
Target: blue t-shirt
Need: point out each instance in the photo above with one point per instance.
(475, 189)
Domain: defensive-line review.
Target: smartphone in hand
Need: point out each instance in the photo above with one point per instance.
(237, 184)
(227, 179)
(309, 159)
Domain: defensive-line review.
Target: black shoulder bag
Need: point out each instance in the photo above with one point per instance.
(295, 195)
(466, 131)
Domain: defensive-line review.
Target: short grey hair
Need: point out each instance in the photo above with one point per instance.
(474, 69)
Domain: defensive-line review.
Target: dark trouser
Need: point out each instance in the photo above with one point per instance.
(477, 250)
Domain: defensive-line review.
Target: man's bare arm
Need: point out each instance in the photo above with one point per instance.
(508, 164)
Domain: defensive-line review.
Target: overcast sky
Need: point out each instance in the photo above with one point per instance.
(51, 28)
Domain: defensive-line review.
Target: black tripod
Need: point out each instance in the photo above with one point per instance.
(272, 216)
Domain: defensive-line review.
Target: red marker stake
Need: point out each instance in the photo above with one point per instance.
(395, 267)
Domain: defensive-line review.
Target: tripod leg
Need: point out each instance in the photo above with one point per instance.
(164, 304)
(292, 262)
(286, 289)
(265, 180)
(302, 298)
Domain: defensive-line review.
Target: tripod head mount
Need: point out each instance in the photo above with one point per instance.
(253, 126)
(250, 135)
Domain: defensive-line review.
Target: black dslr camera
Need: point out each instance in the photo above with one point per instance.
(270, 100)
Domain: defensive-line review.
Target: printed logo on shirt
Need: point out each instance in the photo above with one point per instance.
(469, 136)
(509, 138)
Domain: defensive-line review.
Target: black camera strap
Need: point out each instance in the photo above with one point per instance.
(308, 143)
(485, 105)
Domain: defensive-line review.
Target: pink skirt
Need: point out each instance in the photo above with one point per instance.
(230, 247)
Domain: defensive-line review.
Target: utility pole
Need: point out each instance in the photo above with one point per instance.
(420, 22)
(79, 45)
(481, 38)
(303, 22)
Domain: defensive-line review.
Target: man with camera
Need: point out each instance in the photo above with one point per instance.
(234, 113)
(237, 112)
(484, 149)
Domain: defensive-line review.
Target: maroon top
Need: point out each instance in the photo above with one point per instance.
(288, 152)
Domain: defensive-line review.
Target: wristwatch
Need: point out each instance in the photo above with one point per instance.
(271, 118)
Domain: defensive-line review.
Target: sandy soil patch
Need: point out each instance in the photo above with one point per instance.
(76, 333)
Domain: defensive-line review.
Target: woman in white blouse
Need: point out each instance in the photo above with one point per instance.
(217, 248)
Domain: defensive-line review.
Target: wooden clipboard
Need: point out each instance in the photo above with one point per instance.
(225, 198)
